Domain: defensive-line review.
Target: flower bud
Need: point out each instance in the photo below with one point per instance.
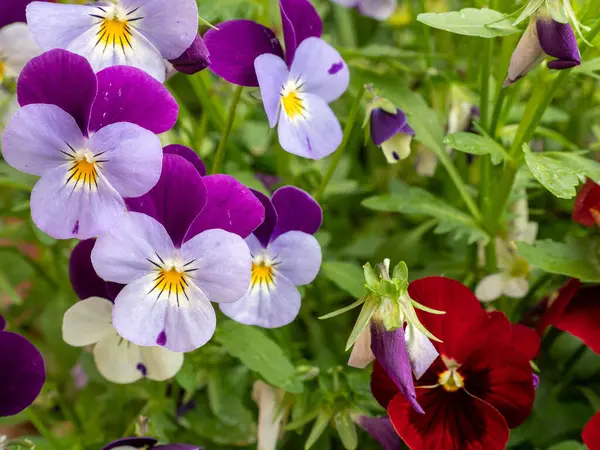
(391, 132)
(194, 59)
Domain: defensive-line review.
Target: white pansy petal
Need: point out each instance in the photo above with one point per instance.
(254, 245)
(221, 264)
(516, 287)
(161, 363)
(362, 354)
(16, 47)
(297, 256)
(118, 360)
(490, 287)
(378, 9)
(88, 322)
(55, 25)
(421, 352)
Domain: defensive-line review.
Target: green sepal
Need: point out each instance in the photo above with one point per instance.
(318, 428)
(388, 288)
(400, 271)
(370, 276)
(425, 308)
(556, 10)
(363, 320)
(346, 430)
(391, 313)
(357, 303)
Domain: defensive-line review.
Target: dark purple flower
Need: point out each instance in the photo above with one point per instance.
(237, 43)
(544, 37)
(392, 133)
(382, 430)
(22, 373)
(284, 255)
(92, 140)
(14, 11)
(147, 444)
(194, 59)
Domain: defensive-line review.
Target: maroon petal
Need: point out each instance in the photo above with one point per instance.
(558, 40)
(194, 59)
(187, 153)
(586, 209)
(384, 126)
(556, 310)
(382, 430)
(177, 198)
(234, 47)
(300, 20)
(127, 94)
(23, 373)
(135, 442)
(296, 211)
(84, 280)
(60, 78)
(265, 230)
(389, 348)
(591, 433)
(230, 206)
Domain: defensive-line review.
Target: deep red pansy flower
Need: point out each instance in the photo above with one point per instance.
(481, 384)
(591, 433)
(586, 210)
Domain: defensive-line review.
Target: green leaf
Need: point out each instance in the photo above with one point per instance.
(363, 320)
(568, 445)
(413, 200)
(225, 396)
(259, 353)
(346, 430)
(346, 276)
(575, 258)
(475, 144)
(592, 397)
(317, 430)
(561, 172)
(485, 23)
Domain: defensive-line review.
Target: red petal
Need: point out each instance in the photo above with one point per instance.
(587, 204)
(503, 378)
(591, 433)
(382, 386)
(525, 340)
(452, 421)
(464, 314)
(557, 308)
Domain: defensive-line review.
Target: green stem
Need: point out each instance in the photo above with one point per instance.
(345, 25)
(497, 112)
(204, 97)
(337, 156)
(41, 428)
(427, 40)
(220, 155)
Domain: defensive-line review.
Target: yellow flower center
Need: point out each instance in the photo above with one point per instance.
(114, 32)
(83, 170)
(292, 104)
(2, 70)
(262, 273)
(451, 380)
(171, 281)
(520, 268)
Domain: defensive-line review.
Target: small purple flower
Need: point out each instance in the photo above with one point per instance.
(377, 9)
(237, 43)
(392, 133)
(179, 248)
(144, 443)
(544, 37)
(23, 372)
(284, 255)
(90, 138)
(194, 59)
(138, 33)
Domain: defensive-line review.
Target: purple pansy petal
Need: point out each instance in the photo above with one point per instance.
(187, 153)
(382, 430)
(60, 78)
(407, 129)
(296, 211)
(73, 209)
(37, 139)
(536, 381)
(194, 59)
(177, 198)
(265, 230)
(267, 307)
(321, 68)
(316, 135)
(235, 46)
(222, 264)
(377, 9)
(170, 26)
(133, 157)
(127, 94)
(84, 280)
(384, 125)
(231, 206)
(558, 40)
(178, 447)
(300, 20)
(298, 256)
(389, 348)
(13, 11)
(272, 73)
(23, 373)
(135, 442)
(121, 255)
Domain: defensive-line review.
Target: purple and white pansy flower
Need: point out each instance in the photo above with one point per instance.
(392, 133)
(376, 9)
(179, 248)
(90, 138)
(23, 372)
(146, 443)
(284, 255)
(138, 33)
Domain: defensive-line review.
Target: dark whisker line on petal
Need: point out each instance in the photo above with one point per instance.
(97, 16)
(159, 258)
(134, 19)
(153, 263)
(192, 261)
(133, 10)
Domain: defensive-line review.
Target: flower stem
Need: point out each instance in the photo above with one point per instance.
(41, 428)
(337, 156)
(220, 155)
